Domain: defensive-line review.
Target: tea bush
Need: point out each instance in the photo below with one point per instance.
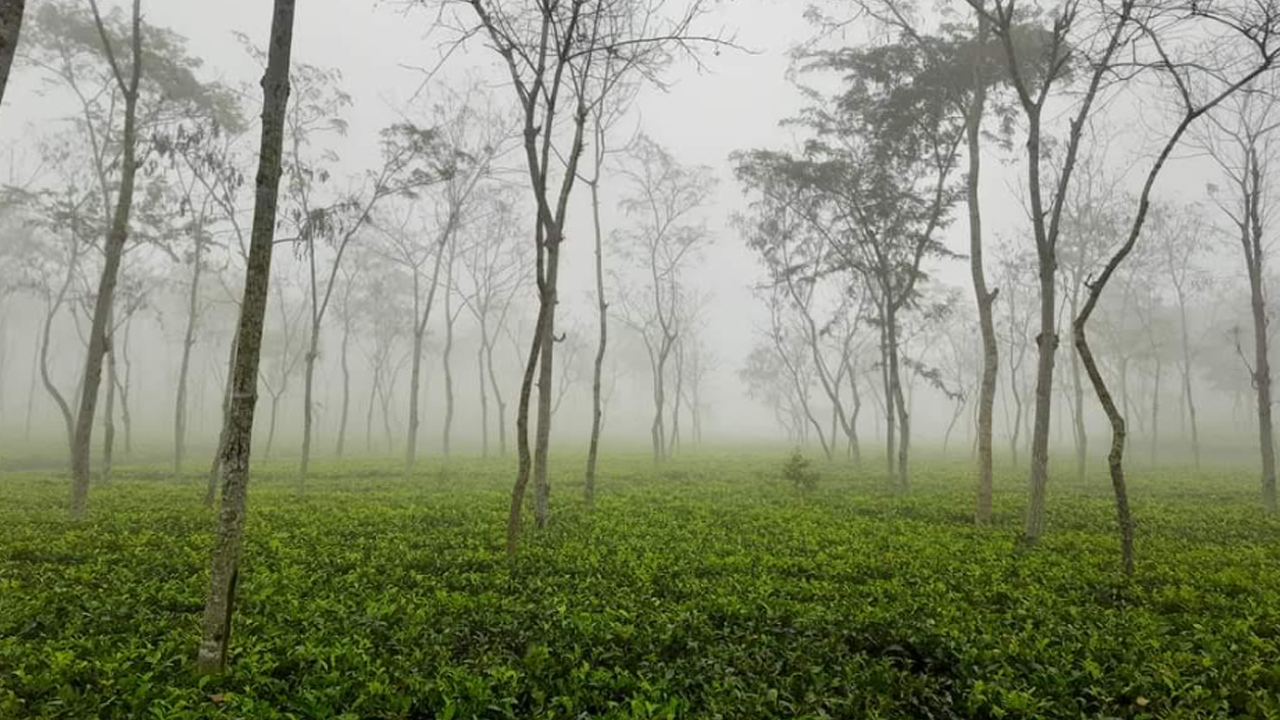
(705, 591)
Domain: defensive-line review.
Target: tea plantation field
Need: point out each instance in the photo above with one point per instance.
(707, 588)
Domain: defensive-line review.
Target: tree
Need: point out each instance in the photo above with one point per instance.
(554, 54)
(11, 12)
(1180, 251)
(216, 627)
(663, 199)
(495, 270)
(1201, 79)
(411, 159)
(1241, 140)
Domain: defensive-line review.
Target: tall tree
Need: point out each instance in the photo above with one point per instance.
(663, 199)
(554, 53)
(112, 252)
(1242, 141)
(225, 572)
(1202, 79)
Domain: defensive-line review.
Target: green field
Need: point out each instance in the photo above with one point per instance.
(707, 588)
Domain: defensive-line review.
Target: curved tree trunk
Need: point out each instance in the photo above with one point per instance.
(597, 370)
(113, 251)
(985, 298)
(216, 635)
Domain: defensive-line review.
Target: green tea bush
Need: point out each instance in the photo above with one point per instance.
(717, 595)
(799, 472)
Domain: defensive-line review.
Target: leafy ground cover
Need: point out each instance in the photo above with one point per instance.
(708, 588)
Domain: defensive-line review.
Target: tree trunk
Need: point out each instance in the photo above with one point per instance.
(903, 478)
(271, 426)
(1078, 431)
(415, 390)
(523, 458)
(308, 405)
(1155, 414)
(108, 417)
(63, 406)
(985, 298)
(1262, 369)
(1115, 458)
(1187, 394)
(597, 370)
(1047, 344)
(112, 253)
(184, 367)
(10, 28)
(235, 456)
(498, 399)
(484, 394)
(346, 387)
(546, 386)
(215, 467)
(446, 359)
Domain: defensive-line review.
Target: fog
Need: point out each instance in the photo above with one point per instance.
(403, 63)
(886, 359)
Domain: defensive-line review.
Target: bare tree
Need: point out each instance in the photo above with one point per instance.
(1241, 140)
(495, 271)
(663, 200)
(553, 52)
(1189, 67)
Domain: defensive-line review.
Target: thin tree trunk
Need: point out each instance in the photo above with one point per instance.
(415, 391)
(271, 426)
(985, 298)
(346, 387)
(31, 388)
(308, 398)
(184, 367)
(1078, 432)
(484, 394)
(597, 370)
(1255, 255)
(1155, 413)
(215, 467)
(235, 458)
(1115, 458)
(447, 358)
(112, 253)
(546, 387)
(498, 399)
(108, 417)
(1047, 344)
(523, 457)
(903, 483)
(1187, 393)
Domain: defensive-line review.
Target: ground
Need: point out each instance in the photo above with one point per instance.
(705, 588)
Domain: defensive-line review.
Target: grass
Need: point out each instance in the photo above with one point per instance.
(708, 588)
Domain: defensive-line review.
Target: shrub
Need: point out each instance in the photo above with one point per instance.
(798, 471)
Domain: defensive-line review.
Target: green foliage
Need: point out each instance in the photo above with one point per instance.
(798, 471)
(719, 594)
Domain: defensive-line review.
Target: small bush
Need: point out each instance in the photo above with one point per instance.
(797, 470)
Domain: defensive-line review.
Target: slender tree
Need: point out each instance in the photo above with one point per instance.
(216, 629)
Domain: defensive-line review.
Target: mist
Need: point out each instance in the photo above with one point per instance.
(600, 281)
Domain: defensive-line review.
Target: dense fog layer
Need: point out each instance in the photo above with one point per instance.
(405, 188)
